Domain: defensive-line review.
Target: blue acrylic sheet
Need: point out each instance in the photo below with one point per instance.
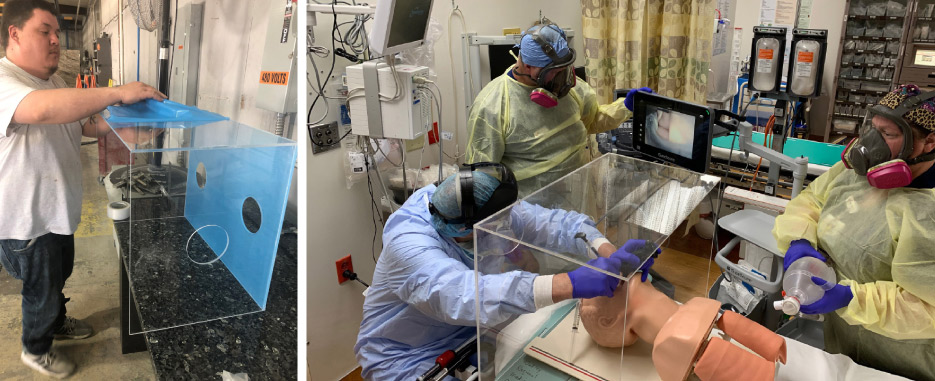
(152, 111)
(237, 166)
(231, 176)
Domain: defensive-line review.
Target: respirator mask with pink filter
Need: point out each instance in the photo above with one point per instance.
(550, 90)
(870, 156)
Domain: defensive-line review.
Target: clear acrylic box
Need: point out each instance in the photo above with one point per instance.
(207, 201)
(626, 199)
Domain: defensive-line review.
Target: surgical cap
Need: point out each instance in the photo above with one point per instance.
(532, 53)
(446, 201)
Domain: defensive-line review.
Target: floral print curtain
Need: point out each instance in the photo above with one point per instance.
(662, 44)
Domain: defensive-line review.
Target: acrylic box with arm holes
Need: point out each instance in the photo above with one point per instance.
(207, 201)
(551, 232)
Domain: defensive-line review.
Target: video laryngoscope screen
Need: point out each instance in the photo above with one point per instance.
(409, 20)
(670, 131)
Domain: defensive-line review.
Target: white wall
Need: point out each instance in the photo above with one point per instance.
(234, 33)
(825, 15)
(339, 220)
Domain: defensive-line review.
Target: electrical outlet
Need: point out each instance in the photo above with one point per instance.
(341, 265)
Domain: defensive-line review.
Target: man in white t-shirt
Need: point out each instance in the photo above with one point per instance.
(41, 124)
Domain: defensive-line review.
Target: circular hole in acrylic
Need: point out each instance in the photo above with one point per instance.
(198, 249)
(200, 175)
(252, 217)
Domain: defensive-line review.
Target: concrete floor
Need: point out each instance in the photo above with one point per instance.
(94, 292)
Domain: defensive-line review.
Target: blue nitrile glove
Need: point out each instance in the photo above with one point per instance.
(628, 254)
(798, 249)
(587, 283)
(628, 101)
(836, 298)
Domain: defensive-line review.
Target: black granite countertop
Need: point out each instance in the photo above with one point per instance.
(263, 344)
(169, 289)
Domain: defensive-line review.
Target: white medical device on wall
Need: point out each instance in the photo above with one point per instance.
(407, 117)
(399, 25)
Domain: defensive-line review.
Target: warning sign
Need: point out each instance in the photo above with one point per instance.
(274, 77)
(765, 54)
(808, 57)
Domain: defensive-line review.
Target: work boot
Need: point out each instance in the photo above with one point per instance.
(51, 364)
(73, 329)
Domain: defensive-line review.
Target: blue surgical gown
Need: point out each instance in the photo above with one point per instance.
(421, 301)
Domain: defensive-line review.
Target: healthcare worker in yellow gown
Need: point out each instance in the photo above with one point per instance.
(536, 117)
(872, 217)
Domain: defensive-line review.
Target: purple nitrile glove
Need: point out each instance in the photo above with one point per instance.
(587, 283)
(836, 298)
(645, 268)
(630, 252)
(798, 249)
(628, 101)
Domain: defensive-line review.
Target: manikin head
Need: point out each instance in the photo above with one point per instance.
(30, 36)
(606, 320)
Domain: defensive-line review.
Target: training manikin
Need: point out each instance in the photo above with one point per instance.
(680, 334)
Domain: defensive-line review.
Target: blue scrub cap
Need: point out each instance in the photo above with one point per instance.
(532, 53)
(446, 201)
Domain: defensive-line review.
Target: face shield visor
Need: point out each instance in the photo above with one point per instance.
(504, 195)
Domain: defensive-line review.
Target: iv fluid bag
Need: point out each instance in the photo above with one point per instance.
(806, 67)
(767, 63)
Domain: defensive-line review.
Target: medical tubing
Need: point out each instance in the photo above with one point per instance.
(744, 176)
(321, 89)
(470, 83)
(743, 113)
(376, 169)
(226, 245)
(402, 151)
(767, 141)
(438, 138)
(319, 93)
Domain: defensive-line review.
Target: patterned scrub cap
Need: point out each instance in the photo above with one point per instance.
(922, 116)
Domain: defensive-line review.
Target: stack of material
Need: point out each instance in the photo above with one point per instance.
(69, 65)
